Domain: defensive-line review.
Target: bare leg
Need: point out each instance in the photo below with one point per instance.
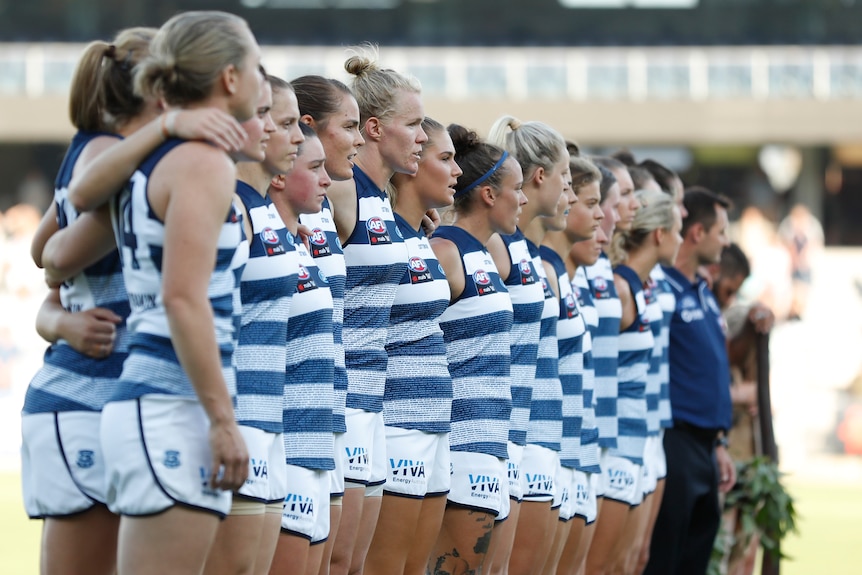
(176, 541)
(610, 525)
(657, 495)
(533, 538)
(462, 546)
(291, 555)
(367, 525)
(561, 531)
(236, 545)
(83, 543)
(348, 529)
(394, 534)
(569, 560)
(427, 531)
(502, 541)
(268, 543)
(334, 522)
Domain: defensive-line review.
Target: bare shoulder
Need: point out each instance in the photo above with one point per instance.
(94, 149)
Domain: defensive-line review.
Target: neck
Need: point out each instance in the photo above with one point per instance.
(557, 241)
(686, 262)
(253, 174)
(477, 224)
(288, 215)
(535, 230)
(410, 207)
(372, 163)
(528, 210)
(642, 262)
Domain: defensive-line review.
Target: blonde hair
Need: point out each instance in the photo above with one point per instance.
(534, 144)
(655, 213)
(102, 92)
(189, 53)
(433, 129)
(376, 88)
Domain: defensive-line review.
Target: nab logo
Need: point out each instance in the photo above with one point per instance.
(299, 504)
(271, 242)
(85, 459)
(356, 456)
(484, 486)
(172, 459)
(526, 269)
(404, 468)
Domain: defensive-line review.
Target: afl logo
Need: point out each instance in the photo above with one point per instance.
(481, 277)
(303, 273)
(570, 302)
(600, 284)
(417, 264)
(318, 237)
(376, 226)
(269, 236)
(526, 267)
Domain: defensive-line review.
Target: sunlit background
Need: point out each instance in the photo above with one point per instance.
(758, 99)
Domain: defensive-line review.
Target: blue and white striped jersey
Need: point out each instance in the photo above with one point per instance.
(418, 392)
(476, 329)
(329, 258)
(589, 456)
(375, 256)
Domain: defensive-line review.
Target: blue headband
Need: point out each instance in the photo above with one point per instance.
(484, 176)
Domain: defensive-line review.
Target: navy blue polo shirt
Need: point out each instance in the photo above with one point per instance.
(699, 367)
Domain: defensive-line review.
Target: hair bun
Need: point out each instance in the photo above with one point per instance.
(462, 138)
(359, 65)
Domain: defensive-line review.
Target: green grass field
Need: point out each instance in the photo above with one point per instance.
(829, 539)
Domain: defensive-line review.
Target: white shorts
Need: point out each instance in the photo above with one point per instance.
(157, 455)
(418, 463)
(513, 471)
(336, 476)
(650, 466)
(477, 482)
(306, 506)
(62, 467)
(538, 470)
(621, 479)
(364, 449)
(563, 493)
(267, 479)
(585, 499)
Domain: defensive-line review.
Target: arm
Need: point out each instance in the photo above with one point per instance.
(553, 280)
(47, 228)
(624, 291)
(87, 240)
(450, 260)
(342, 199)
(726, 469)
(500, 254)
(759, 321)
(105, 175)
(201, 189)
(89, 332)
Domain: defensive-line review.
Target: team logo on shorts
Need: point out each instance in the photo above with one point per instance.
(539, 483)
(319, 244)
(620, 478)
(172, 459)
(406, 470)
(378, 233)
(526, 269)
(571, 307)
(483, 486)
(296, 505)
(482, 279)
(271, 242)
(419, 272)
(305, 281)
(85, 459)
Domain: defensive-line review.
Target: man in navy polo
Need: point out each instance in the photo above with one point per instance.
(698, 466)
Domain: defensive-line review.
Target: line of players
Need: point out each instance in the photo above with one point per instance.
(268, 325)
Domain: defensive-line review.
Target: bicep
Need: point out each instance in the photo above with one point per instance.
(47, 228)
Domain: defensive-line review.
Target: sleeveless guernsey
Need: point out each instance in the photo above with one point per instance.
(375, 256)
(266, 288)
(307, 415)
(329, 258)
(69, 380)
(528, 303)
(152, 365)
(418, 393)
(667, 302)
(636, 345)
(589, 457)
(653, 388)
(476, 328)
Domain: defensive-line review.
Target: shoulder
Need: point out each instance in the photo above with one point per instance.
(95, 147)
